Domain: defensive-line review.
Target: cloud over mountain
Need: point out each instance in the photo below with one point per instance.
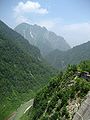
(29, 7)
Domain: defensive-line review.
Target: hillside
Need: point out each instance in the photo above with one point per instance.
(60, 60)
(45, 40)
(62, 97)
(22, 70)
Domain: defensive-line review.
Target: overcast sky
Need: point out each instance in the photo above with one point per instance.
(67, 18)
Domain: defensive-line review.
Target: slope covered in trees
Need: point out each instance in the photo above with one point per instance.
(60, 60)
(45, 40)
(62, 97)
(22, 70)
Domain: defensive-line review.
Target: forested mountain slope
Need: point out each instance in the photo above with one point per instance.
(45, 40)
(22, 70)
(62, 97)
(60, 60)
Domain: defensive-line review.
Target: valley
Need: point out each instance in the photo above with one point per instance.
(41, 85)
(44, 60)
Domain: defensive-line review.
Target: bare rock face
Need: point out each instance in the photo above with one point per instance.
(73, 106)
(84, 111)
(45, 40)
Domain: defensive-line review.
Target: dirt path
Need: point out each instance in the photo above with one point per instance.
(21, 110)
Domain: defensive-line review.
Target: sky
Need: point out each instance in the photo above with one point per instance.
(67, 18)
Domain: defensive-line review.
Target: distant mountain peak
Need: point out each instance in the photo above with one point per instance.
(45, 40)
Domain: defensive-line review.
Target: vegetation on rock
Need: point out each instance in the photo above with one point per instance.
(55, 100)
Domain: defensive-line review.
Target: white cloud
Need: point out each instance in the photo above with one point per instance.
(22, 19)
(22, 9)
(29, 7)
(74, 27)
(76, 34)
(47, 23)
(50, 23)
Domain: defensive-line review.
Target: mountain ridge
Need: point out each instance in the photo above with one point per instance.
(45, 40)
(60, 60)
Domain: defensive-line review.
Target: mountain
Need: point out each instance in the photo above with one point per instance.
(62, 98)
(60, 59)
(22, 70)
(45, 40)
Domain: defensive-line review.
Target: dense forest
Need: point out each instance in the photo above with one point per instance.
(22, 70)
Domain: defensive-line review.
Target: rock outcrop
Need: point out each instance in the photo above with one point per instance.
(84, 111)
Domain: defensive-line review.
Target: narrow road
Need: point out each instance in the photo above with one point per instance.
(21, 110)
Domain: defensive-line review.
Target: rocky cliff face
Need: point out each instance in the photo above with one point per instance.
(84, 111)
(45, 40)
